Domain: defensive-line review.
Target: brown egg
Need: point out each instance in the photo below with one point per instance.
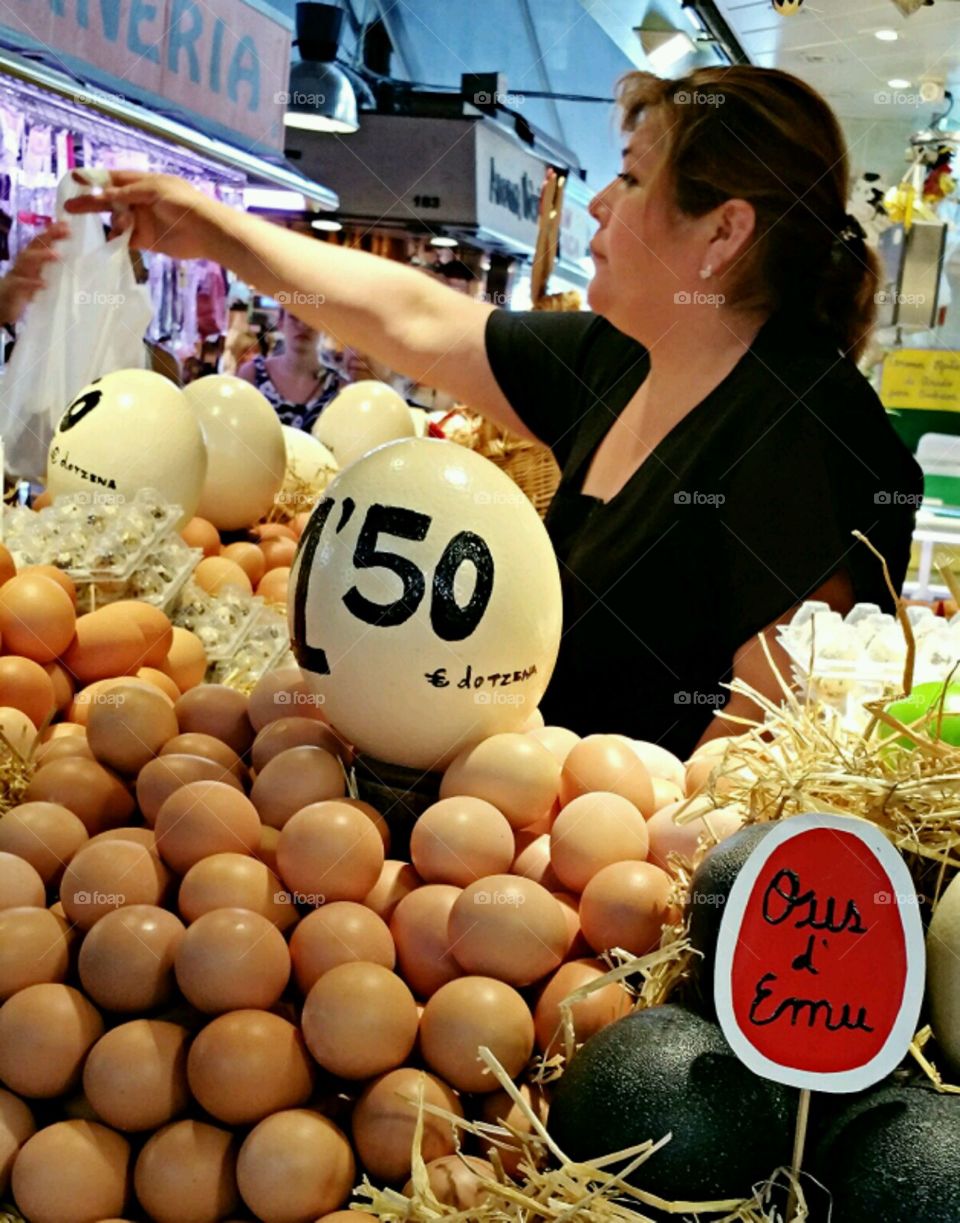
(266, 851)
(198, 744)
(626, 905)
(247, 1064)
(514, 772)
(20, 884)
(664, 793)
(459, 840)
(278, 553)
(249, 557)
(374, 816)
(160, 681)
(298, 523)
(186, 663)
(70, 1172)
(457, 1181)
(295, 1165)
(283, 692)
(107, 644)
(37, 617)
(153, 624)
(274, 586)
(62, 730)
(709, 822)
(216, 574)
(18, 731)
(359, 1020)
(203, 818)
(45, 1033)
(284, 733)
(295, 779)
(139, 836)
(63, 685)
(78, 711)
(591, 1014)
(348, 1216)
(235, 881)
(509, 928)
(592, 831)
(34, 949)
(419, 927)
(231, 959)
(577, 945)
(499, 1108)
(187, 1171)
(135, 1076)
(339, 933)
(467, 1013)
(396, 880)
(385, 1117)
(329, 851)
(7, 566)
(533, 859)
(128, 726)
(94, 794)
(62, 746)
(159, 779)
(62, 579)
(24, 685)
(126, 960)
(558, 741)
(219, 711)
(199, 533)
(110, 875)
(608, 763)
(16, 1126)
(273, 530)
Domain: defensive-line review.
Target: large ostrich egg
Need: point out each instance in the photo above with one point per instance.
(363, 415)
(308, 461)
(129, 430)
(426, 595)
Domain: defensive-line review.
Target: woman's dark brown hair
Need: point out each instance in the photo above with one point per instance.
(762, 135)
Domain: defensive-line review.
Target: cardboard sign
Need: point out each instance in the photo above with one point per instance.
(820, 956)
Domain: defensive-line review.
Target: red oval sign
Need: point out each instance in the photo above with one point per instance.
(820, 956)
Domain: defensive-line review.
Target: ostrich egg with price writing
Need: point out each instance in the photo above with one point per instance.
(130, 429)
(246, 453)
(426, 595)
(363, 415)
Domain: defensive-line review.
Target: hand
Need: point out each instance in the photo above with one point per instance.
(161, 212)
(25, 279)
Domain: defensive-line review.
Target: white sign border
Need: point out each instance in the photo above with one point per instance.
(897, 1043)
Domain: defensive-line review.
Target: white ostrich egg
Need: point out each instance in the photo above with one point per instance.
(361, 416)
(308, 461)
(130, 429)
(426, 595)
(247, 458)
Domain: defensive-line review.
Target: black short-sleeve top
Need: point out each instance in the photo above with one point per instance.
(742, 511)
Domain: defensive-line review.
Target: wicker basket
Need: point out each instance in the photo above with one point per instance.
(530, 465)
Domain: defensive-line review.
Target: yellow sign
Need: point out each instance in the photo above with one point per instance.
(927, 378)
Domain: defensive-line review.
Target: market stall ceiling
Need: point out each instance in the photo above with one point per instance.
(832, 44)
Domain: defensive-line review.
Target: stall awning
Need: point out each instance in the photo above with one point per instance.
(112, 106)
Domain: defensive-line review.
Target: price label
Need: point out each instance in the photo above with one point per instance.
(820, 956)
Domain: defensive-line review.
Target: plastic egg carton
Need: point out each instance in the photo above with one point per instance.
(94, 537)
(847, 660)
(267, 646)
(158, 580)
(222, 621)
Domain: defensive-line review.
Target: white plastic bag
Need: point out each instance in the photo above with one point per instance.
(89, 320)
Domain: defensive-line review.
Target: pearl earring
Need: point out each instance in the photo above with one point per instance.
(706, 273)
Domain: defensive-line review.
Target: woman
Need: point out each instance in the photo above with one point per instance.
(718, 444)
(295, 382)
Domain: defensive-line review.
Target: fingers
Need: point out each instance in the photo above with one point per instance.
(117, 178)
(132, 196)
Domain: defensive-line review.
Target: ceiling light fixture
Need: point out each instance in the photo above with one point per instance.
(886, 35)
(440, 240)
(898, 82)
(664, 48)
(321, 97)
(327, 225)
